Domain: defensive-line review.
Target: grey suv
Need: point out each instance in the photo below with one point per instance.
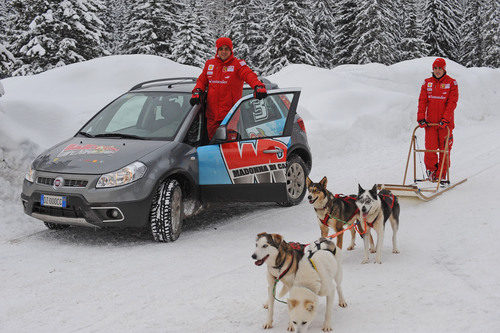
(138, 159)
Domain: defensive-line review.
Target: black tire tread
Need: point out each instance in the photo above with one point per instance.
(161, 224)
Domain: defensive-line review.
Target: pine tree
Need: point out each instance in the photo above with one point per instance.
(376, 38)
(151, 28)
(412, 44)
(116, 16)
(6, 61)
(3, 20)
(472, 37)
(491, 33)
(50, 33)
(324, 31)
(239, 26)
(441, 28)
(192, 41)
(344, 42)
(218, 13)
(246, 31)
(289, 36)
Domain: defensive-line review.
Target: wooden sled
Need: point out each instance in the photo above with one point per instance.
(421, 188)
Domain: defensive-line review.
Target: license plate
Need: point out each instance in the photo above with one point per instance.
(53, 201)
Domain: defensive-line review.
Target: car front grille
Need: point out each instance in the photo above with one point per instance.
(67, 182)
(56, 211)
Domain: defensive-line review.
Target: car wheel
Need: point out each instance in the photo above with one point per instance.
(167, 212)
(296, 173)
(56, 226)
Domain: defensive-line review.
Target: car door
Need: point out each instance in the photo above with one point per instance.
(250, 164)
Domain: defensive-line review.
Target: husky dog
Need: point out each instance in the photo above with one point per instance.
(319, 274)
(282, 260)
(331, 209)
(375, 209)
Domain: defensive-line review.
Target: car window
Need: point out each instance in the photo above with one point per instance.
(157, 115)
(260, 118)
(127, 114)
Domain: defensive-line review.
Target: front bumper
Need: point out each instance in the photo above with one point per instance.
(87, 206)
(133, 214)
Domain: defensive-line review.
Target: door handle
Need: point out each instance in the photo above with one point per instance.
(273, 151)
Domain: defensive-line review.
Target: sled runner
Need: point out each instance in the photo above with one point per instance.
(423, 188)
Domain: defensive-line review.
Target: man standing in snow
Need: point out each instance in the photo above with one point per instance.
(224, 76)
(437, 102)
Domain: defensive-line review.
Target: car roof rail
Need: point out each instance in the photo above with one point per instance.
(170, 81)
(269, 85)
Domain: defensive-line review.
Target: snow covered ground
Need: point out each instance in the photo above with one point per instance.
(358, 118)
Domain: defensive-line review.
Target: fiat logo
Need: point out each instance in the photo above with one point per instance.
(58, 182)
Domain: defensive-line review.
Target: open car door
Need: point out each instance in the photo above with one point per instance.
(246, 159)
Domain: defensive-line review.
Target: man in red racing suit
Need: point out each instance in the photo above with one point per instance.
(224, 76)
(437, 102)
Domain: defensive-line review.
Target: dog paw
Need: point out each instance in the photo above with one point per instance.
(350, 248)
(327, 328)
(378, 261)
(268, 325)
(265, 306)
(396, 251)
(342, 304)
(365, 261)
(290, 328)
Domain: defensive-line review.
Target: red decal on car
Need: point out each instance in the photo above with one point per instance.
(259, 161)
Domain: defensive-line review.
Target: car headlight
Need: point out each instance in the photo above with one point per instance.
(125, 175)
(30, 175)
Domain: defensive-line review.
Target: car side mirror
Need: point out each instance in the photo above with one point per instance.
(220, 133)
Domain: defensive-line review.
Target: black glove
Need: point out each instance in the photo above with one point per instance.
(443, 123)
(422, 123)
(260, 92)
(195, 97)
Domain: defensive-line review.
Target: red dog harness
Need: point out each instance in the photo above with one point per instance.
(346, 199)
(392, 198)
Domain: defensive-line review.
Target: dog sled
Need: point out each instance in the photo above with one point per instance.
(423, 188)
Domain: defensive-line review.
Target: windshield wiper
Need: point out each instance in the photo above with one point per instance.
(119, 135)
(88, 135)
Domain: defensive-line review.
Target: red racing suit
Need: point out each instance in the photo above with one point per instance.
(437, 101)
(225, 87)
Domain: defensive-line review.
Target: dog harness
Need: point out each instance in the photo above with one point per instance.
(387, 197)
(297, 246)
(346, 199)
(318, 247)
(370, 224)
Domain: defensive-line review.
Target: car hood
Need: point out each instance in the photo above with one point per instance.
(94, 155)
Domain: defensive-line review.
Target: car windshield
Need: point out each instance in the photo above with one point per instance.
(141, 115)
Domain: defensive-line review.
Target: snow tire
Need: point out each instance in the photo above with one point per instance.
(296, 173)
(166, 213)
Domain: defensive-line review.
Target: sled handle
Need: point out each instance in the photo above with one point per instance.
(446, 157)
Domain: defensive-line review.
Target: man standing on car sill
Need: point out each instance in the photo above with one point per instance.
(223, 75)
(437, 103)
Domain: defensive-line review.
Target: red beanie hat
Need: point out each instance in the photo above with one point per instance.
(224, 41)
(439, 62)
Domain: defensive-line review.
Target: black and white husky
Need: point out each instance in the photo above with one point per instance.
(375, 209)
